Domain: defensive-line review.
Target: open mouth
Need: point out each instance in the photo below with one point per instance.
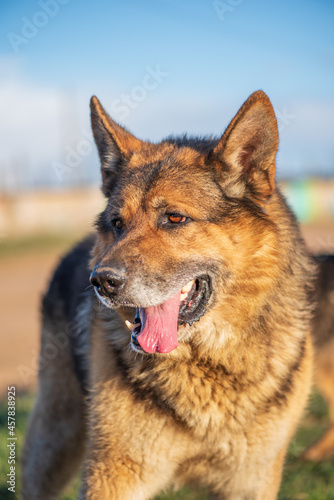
(155, 328)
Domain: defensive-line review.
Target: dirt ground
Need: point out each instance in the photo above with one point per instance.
(23, 280)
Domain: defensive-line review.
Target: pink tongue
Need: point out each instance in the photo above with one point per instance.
(159, 326)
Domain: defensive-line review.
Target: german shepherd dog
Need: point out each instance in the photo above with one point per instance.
(192, 361)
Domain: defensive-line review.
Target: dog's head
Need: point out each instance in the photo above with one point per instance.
(183, 219)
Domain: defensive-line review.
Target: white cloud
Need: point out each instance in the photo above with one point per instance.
(306, 143)
(36, 123)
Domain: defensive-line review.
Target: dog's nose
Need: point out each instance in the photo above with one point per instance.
(108, 281)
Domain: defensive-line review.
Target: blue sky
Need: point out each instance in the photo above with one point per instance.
(209, 56)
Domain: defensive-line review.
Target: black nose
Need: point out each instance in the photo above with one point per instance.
(108, 280)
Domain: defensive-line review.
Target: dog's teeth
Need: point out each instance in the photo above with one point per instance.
(186, 289)
(131, 326)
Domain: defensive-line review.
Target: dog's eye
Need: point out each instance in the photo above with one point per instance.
(118, 224)
(177, 219)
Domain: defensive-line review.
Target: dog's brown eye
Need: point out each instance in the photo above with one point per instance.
(177, 219)
(118, 224)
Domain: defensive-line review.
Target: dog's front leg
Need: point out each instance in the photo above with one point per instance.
(116, 479)
(130, 471)
(133, 451)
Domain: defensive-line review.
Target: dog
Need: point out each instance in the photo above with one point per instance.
(189, 359)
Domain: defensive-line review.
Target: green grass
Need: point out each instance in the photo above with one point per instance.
(23, 406)
(311, 481)
(301, 481)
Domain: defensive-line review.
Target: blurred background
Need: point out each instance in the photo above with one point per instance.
(158, 68)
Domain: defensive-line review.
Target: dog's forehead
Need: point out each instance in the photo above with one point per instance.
(150, 154)
(166, 175)
(165, 166)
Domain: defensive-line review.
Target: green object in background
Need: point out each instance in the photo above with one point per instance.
(301, 197)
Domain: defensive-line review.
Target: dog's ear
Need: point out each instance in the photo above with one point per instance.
(114, 143)
(246, 153)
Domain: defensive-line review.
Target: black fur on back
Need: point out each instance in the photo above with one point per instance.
(69, 289)
(323, 327)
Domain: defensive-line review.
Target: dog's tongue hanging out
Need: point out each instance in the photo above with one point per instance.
(159, 326)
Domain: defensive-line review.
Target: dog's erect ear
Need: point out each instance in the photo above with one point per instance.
(114, 143)
(247, 150)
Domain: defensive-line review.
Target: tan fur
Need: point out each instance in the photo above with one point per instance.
(223, 440)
